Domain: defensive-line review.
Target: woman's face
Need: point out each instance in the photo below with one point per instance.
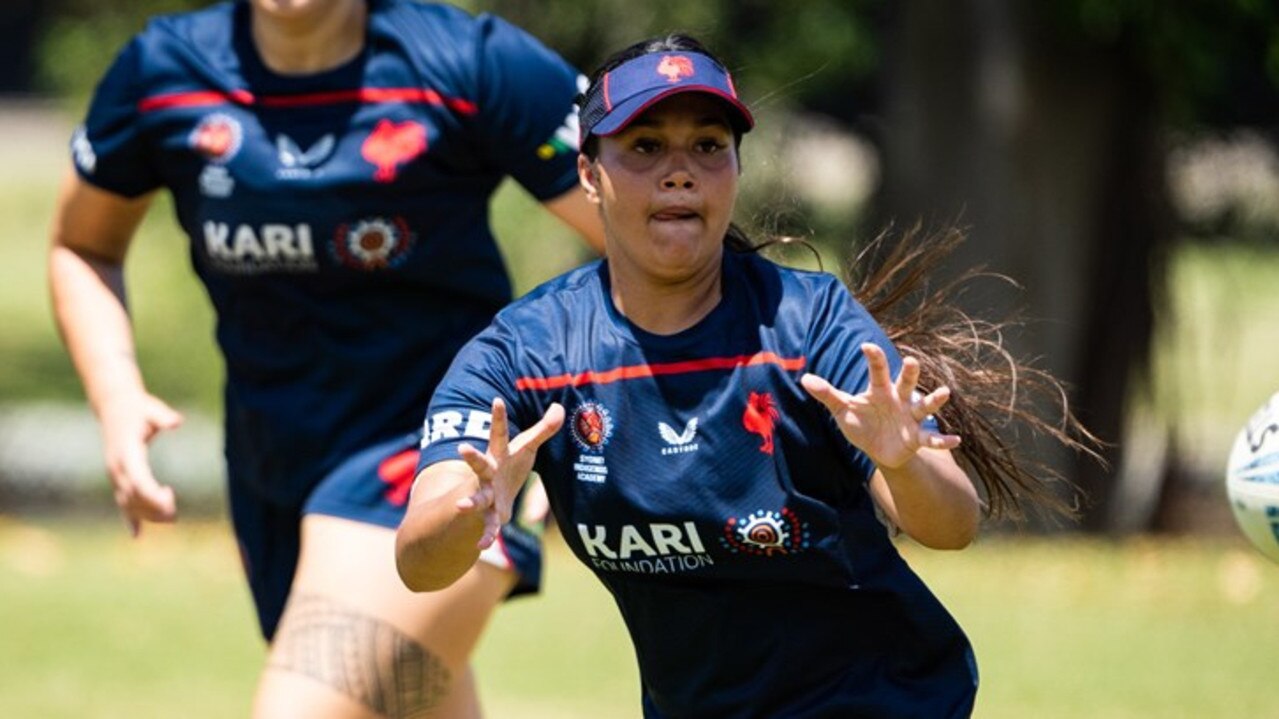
(666, 187)
(295, 9)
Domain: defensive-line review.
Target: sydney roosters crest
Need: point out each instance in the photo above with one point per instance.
(397, 471)
(392, 144)
(760, 416)
(675, 68)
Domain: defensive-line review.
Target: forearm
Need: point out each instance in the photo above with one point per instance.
(90, 312)
(932, 500)
(436, 543)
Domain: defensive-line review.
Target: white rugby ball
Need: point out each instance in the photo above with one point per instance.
(1252, 478)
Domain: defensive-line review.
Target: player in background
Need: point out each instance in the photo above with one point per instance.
(331, 162)
(723, 439)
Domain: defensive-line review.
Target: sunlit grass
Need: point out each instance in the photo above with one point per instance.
(96, 626)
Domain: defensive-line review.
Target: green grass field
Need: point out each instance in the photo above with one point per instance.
(96, 626)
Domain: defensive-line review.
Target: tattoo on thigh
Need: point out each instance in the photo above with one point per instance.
(363, 657)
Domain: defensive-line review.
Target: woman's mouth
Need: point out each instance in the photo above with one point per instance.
(675, 214)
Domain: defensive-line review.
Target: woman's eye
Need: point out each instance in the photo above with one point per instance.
(646, 146)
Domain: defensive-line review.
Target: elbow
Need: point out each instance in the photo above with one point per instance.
(415, 570)
(957, 533)
(954, 541)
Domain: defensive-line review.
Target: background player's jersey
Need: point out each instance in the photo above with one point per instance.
(715, 499)
(338, 220)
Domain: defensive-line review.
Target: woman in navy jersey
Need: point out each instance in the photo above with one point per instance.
(331, 162)
(722, 439)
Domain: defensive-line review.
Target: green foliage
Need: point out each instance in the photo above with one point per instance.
(1196, 54)
(84, 36)
(786, 54)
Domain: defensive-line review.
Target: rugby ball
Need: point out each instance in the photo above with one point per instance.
(1252, 478)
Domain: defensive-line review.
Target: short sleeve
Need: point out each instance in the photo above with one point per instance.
(461, 408)
(527, 120)
(840, 325)
(110, 149)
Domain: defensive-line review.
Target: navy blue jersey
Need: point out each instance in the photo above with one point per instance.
(716, 500)
(338, 220)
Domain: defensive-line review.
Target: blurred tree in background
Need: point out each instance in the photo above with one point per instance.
(1044, 127)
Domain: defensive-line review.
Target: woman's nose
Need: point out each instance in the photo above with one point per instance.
(678, 179)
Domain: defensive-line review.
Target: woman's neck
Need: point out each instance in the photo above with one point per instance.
(310, 42)
(666, 308)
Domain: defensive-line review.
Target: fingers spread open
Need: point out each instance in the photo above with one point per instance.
(498, 431)
(908, 379)
(822, 391)
(877, 365)
(545, 428)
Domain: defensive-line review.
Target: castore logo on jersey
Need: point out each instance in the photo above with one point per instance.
(296, 163)
(678, 442)
(392, 144)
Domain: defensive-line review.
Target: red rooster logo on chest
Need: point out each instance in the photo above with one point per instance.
(397, 471)
(760, 416)
(391, 145)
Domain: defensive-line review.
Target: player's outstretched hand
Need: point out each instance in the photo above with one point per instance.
(884, 421)
(128, 425)
(503, 469)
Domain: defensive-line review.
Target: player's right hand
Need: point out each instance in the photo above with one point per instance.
(128, 425)
(503, 469)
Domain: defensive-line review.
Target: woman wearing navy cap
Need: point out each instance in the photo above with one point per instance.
(722, 439)
(331, 162)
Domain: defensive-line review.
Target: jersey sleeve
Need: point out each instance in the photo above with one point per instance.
(461, 408)
(110, 149)
(527, 121)
(840, 326)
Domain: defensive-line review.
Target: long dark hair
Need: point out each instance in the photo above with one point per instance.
(993, 392)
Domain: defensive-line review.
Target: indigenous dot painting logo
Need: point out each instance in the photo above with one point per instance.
(374, 243)
(760, 417)
(392, 144)
(675, 68)
(217, 137)
(765, 533)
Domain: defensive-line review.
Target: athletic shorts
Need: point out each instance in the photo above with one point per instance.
(371, 486)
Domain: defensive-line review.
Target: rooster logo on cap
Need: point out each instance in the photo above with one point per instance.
(675, 68)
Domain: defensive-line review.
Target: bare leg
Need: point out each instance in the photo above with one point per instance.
(354, 643)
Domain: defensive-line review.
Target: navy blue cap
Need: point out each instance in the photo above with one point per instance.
(629, 89)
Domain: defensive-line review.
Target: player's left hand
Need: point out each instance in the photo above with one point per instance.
(503, 469)
(884, 421)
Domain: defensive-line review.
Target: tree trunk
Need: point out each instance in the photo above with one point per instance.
(1045, 146)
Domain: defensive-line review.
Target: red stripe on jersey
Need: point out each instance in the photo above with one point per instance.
(363, 95)
(653, 370)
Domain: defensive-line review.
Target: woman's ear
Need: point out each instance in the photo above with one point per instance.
(588, 179)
